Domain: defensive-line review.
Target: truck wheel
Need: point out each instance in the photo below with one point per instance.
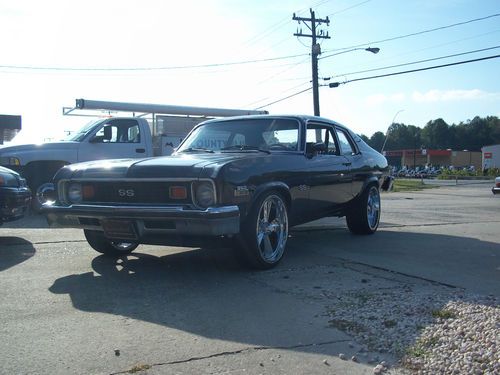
(101, 244)
(364, 215)
(265, 231)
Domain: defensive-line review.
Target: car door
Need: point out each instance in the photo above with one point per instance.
(115, 139)
(329, 171)
(349, 150)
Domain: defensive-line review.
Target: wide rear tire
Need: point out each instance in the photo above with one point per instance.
(103, 245)
(364, 215)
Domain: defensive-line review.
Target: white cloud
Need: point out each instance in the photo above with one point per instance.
(453, 95)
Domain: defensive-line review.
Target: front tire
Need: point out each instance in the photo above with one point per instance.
(103, 245)
(265, 231)
(364, 215)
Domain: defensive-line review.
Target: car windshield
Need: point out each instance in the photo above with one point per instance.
(244, 135)
(82, 132)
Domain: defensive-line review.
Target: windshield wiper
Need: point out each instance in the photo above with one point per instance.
(197, 149)
(244, 148)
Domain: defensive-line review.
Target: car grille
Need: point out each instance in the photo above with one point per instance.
(134, 192)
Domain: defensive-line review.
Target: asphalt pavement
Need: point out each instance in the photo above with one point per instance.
(65, 309)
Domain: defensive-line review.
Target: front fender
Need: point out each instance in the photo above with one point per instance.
(278, 186)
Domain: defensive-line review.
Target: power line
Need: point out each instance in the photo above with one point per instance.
(152, 68)
(384, 75)
(285, 98)
(278, 25)
(201, 66)
(415, 62)
(255, 102)
(335, 84)
(348, 8)
(417, 33)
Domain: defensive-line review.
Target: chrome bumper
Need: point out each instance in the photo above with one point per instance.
(148, 220)
(495, 190)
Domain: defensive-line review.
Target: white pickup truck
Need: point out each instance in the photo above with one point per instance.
(110, 138)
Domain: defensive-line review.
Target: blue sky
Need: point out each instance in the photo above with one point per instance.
(153, 34)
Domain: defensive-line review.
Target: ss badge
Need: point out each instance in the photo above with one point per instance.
(126, 192)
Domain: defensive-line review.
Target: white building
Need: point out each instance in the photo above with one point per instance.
(491, 156)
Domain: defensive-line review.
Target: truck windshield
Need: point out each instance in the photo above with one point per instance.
(244, 135)
(82, 132)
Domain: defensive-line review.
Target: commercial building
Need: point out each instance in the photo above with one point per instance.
(422, 157)
(9, 127)
(491, 156)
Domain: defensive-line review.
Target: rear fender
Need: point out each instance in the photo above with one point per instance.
(372, 180)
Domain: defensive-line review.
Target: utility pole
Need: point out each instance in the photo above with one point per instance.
(312, 24)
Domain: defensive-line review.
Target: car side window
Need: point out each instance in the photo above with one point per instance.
(321, 134)
(346, 147)
(118, 132)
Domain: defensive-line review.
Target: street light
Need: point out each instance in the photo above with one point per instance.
(335, 84)
(389, 128)
(374, 50)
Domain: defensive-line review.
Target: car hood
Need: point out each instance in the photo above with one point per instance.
(175, 166)
(63, 145)
(7, 170)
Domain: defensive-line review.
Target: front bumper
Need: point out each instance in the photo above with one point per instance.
(150, 223)
(495, 190)
(14, 203)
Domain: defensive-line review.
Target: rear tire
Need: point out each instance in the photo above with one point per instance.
(364, 215)
(265, 231)
(103, 245)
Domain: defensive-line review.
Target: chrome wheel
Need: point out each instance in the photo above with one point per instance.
(124, 246)
(272, 229)
(103, 245)
(373, 207)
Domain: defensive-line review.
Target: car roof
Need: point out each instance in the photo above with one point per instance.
(303, 118)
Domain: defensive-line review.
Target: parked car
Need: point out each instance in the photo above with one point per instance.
(15, 196)
(243, 179)
(496, 189)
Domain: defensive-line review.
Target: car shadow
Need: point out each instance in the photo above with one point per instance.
(29, 221)
(208, 292)
(14, 250)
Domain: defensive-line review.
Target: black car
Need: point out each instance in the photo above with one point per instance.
(244, 179)
(15, 196)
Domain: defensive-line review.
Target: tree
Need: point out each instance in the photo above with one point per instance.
(436, 134)
(377, 140)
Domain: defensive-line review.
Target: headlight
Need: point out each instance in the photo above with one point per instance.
(8, 160)
(75, 192)
(8, 179)
(204, 194)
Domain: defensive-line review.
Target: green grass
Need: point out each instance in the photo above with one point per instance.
(443, 314)
(409, 185)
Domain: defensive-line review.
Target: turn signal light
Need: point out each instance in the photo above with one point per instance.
(88, 191)
(177, 192)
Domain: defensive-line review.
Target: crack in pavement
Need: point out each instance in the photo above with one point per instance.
(235, 352)
(434, 282)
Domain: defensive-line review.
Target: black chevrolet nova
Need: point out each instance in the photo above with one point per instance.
(243, 179)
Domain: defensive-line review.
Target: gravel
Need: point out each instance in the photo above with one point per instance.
(429, 330)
